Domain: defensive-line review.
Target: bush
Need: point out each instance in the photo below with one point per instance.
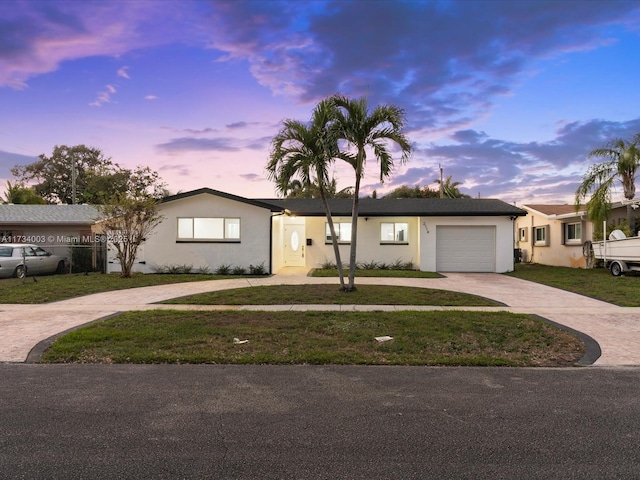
(257, 269)
(223, 269)
(239, 271)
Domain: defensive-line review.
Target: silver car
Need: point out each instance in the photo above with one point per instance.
(21, 259)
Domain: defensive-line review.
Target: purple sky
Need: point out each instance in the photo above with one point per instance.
(508, 96)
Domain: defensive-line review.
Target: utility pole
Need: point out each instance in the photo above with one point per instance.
(73, 180)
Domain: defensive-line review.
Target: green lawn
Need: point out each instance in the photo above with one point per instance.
(596, 283)
(331, 294)
(419, 338)
(52, 288)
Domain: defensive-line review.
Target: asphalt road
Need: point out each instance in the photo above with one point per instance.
(317, 422)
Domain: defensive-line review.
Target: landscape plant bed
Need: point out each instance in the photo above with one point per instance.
(376, 272)
(418, 338)
(594, 282)
(322, 294)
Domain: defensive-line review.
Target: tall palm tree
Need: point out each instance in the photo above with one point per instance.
(365, 130)
(306, 152)
(621, 164)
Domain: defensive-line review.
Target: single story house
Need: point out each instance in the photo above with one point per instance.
(206, 229)
(556, 234)
(53, 227)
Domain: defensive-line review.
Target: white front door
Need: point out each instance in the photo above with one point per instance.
(294, 243)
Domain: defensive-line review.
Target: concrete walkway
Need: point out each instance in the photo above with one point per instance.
(616, 329)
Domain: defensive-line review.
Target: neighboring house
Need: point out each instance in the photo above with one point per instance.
(53, 227)
(556, 234)
(206, 229)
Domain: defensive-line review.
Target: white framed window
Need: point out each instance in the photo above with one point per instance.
(541, 236)
(572, 233)
(394, 233)
(343, 232)
(209, 228)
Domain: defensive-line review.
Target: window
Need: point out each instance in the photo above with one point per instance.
(343, 232)
(541, 235)
(394, 233)
(522, 234)
(572, 233)
(201, 228)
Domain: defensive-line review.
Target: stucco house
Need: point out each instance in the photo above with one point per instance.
(206, 228)
(556, 234)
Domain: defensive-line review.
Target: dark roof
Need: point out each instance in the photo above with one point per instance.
(210, 191)
(48, 214)
(431, 207)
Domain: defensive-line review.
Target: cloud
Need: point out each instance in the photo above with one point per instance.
(150, 97)
(181, 170)
(189, 144)
(122, 72)
(104, 96)
(445, 63)
(37, 36)
(252, 177)
(8, 160)
(220, 144)
(549, 171)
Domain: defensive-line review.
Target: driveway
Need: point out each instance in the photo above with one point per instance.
(616, 329)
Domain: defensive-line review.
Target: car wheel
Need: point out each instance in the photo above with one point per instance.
(60, 268)
(20, 272)
(616, 269)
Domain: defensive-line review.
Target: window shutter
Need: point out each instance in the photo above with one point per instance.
(564, 234)
(547, 235)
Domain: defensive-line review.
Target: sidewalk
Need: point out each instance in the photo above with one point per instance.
(616, 329)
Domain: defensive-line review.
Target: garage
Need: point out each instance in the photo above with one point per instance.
(466, 248)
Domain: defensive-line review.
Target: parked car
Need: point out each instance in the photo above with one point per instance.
(20, 259)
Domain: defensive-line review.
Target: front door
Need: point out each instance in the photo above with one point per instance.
(294, 243)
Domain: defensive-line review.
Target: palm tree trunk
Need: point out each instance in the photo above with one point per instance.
(631, 219)
(354, 232)
(334, 239)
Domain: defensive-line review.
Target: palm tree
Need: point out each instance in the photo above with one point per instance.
(18, 193)
(450, 189)
(364, 130)
(306, 152)
(622, 164)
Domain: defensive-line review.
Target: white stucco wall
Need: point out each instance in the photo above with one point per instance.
(163, 249)
(504, 239)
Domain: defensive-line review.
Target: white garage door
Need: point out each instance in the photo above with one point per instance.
(465, 249)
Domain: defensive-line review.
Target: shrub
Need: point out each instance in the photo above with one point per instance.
(239, 271)
(223, 269)
(372, 265)
(205, 270)
(257, 269)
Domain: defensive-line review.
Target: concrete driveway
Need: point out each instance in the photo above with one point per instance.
(616, 329)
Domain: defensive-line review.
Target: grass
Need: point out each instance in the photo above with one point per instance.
(377, 272)
(331, 294)
(60, 287)
(595, 283)
(419, 338)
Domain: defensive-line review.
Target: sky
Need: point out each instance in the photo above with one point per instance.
(507, 96)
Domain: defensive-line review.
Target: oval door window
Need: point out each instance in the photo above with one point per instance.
(295, 241)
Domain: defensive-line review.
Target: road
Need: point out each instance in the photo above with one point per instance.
(317, 422)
